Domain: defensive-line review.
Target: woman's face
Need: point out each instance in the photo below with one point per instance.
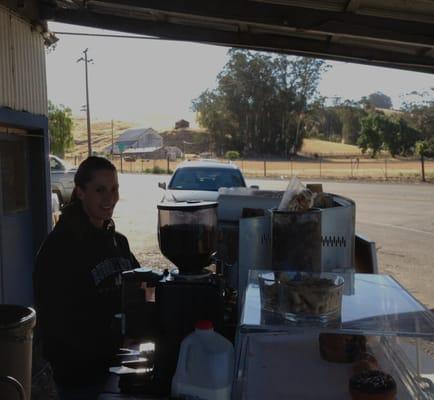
(100, 196)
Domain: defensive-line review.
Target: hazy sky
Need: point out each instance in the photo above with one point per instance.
(152, 82)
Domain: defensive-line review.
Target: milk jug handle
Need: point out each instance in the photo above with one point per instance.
(183, 358)
(17, 385)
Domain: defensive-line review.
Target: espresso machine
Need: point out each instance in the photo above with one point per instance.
(190, 291)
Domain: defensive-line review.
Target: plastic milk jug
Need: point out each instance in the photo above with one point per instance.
(205, 365)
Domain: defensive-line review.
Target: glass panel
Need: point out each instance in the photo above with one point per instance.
(13, 175)
(290, 366)
(375, 304)
(209, 179)
(55, 165)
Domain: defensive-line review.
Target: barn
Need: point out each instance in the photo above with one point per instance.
(136, 138)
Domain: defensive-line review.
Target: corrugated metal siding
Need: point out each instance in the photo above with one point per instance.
(23, 84)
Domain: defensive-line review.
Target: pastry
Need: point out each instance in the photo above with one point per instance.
(364, 361)
(309, 295)
(301, 201)
(341, 348)
(372, 385)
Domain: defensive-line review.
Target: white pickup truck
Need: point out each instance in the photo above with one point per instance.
(62, 178)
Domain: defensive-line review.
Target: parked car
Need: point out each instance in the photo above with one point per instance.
(62, 178)
(200, 180)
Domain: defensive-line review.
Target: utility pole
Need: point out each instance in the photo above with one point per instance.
(89, 134)
(112, 139)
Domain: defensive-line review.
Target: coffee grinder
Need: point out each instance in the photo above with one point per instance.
(187, 236)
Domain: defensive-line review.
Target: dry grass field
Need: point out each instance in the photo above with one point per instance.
(386, 169)
(339, 168)
(101, 135)
(316, 146)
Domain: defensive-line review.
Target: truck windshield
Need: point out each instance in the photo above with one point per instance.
(206, 179)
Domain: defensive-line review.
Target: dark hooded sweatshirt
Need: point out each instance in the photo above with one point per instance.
(78, 291)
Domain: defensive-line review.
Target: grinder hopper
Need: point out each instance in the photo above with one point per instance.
(187, 234)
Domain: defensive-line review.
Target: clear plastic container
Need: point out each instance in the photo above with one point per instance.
(301, 297)
(205, 365)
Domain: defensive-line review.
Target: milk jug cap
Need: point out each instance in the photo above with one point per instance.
(205, 325)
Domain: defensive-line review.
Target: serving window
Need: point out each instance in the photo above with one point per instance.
(13, 168)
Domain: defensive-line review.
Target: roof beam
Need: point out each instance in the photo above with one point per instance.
(304, 19)
(352, 6)
(277, 43)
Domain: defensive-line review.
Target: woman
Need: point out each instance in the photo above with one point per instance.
(77, 282)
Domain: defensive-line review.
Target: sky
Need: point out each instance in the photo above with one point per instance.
(152, 83)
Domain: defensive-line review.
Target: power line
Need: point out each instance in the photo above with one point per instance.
(108, 35)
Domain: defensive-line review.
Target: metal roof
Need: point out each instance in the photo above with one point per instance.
(392, 33)
(133, 134)
(139, 150)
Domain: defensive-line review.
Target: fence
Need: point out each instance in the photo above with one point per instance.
(355, 168)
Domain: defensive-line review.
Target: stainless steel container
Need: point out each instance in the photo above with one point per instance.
(334, 242)
(296, 240)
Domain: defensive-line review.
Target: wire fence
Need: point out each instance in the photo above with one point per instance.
(353, 168)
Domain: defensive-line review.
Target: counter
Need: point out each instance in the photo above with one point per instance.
(280, 359)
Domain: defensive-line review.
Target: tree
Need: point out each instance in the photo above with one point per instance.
(398, 137)
(380, 100)
(307, 73)
(259, 103)
(391, 133)
(424, 148)
(350, 115)
(232, 155)
(323, 122)
(421, 117)
(60, 129)
(370, 137)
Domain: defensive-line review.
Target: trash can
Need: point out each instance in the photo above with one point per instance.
(16, 334)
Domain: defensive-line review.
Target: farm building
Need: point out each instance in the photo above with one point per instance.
(173, 152)
(182, 123)
(136, 138)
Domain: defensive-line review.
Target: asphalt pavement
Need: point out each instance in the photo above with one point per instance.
(398, 217)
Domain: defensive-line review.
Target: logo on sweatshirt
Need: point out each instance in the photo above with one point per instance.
(108, 268)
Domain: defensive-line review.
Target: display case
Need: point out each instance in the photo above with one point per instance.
(281, 359)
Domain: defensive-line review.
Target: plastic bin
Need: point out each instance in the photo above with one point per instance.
(16, 334)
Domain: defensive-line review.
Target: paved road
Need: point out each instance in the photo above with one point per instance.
(398, 217)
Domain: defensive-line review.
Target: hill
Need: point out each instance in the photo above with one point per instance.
(192, 140)
(323, 147)
(188, 140)
(101, 134)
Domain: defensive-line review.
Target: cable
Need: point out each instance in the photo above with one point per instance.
(108, 35)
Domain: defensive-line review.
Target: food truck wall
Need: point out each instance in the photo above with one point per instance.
(24, 173)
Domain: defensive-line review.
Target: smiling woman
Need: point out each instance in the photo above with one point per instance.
(97, 189)
(77, 281)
